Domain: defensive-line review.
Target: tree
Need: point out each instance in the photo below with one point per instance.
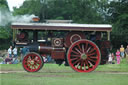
(82, 11)
(119, 17)
(4, 30)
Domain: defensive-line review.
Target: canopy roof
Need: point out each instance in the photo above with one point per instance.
(62, 26)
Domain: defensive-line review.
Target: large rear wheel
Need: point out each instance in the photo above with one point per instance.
(32, 62)
(83, 56)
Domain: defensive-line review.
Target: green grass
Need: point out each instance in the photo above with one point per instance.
(52, 74)
(63, 79)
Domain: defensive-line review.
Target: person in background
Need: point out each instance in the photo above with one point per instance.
(15, 52)
(15, 58)
(113, 58)
(118, 56)
(24, 51)
(122, 51)
(126, 52)
(8, 60)
(110, 59)
(10, 52)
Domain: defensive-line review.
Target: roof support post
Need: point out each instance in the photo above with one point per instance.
(14, 34)
(35, 36)
(108, 34)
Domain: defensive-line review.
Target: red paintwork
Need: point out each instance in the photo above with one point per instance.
(73, 42)
(58, 54)
(32, 62)
(57, 42)
(80, 64)
(72, 37)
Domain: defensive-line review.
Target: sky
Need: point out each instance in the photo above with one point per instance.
(14, 3)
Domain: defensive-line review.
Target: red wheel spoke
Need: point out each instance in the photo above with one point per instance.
(38, 62)
(83, 49)
(91, 59)
(79, 48)
(94, 57)
(81, 65)
(78, 51)
(91, 50)
(77, 65)
(32, 57)
(86, 62)
(74, 59)
(91, 54)
(84, 67)
(86, 46)
(88, 49)
(90, 63)
(34, 66)
(74, 52)
(75, 55)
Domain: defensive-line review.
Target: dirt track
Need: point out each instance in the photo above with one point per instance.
(109, 72)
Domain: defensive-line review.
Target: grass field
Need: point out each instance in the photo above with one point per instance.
(52, 74)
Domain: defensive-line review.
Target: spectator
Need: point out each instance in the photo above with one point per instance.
(126, 52)
(15, 59)
(118, 56)
(10, 52)
(15, 52)
(113, 58)
(8, 60)
(122, 51)
(110, 59)
(24, 51)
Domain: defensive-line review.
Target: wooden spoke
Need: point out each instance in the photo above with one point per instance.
(91, 54)
(75, 52)
(79, 47)
(84, 67)
(75, 55)
(88, 49)
(76, 61)
(91, 50)
(91, 59)
(83, 49)
(78, 51)
(77, 65)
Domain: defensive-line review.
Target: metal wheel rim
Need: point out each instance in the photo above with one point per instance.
(32, 62)
(80, 64)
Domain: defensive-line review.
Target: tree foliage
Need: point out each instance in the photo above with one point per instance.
(4, 30)
(114, 12)
(83, 11)
(119, 19)
(80, 11)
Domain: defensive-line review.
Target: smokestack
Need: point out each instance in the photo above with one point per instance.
(36, 19)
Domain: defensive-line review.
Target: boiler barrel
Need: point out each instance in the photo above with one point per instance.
(45, 49)
(49, 49)
(36, 47)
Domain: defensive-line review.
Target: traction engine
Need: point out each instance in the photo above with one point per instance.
(81, 50)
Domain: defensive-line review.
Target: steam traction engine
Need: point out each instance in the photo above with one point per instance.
(81, 46)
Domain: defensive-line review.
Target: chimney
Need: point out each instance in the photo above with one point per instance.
(35, 19)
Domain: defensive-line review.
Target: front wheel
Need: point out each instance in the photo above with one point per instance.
(83, 56)
(32, 62)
